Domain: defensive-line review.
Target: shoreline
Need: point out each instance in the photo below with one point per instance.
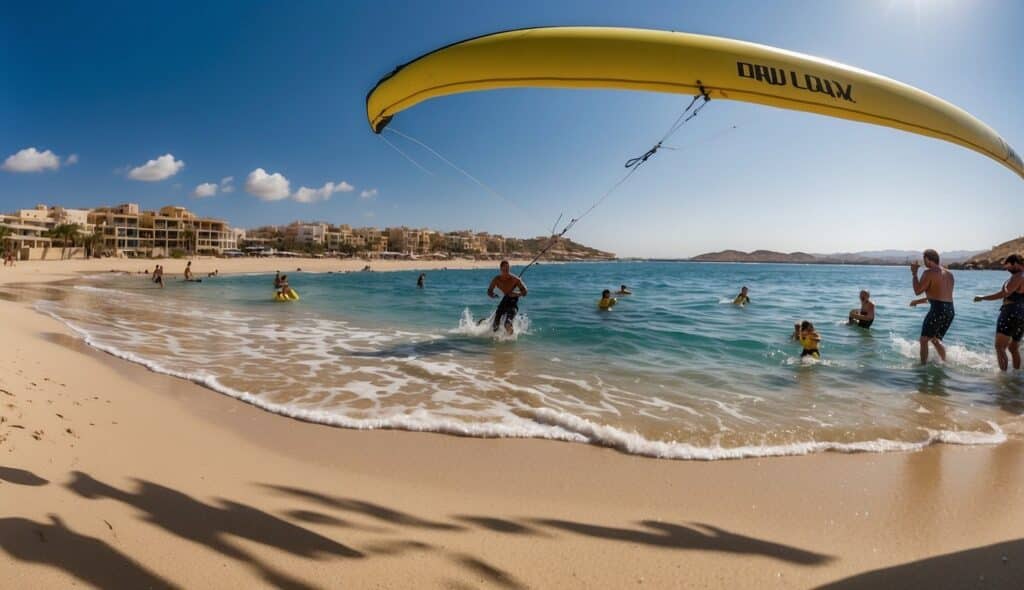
(136, 473)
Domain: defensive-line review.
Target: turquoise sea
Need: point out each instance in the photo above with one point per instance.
(673, 371)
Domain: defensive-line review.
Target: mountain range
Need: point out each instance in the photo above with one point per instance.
(881, 257)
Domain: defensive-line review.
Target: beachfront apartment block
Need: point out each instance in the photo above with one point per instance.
(28, 231)
(128, 231)
(412, 241)
(466, 242)
(332, 238)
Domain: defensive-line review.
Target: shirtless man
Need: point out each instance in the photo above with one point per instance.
(513, 288)
(158, 275)
(864, 316)
(188, 271)
(1010, 325)
(937, 284)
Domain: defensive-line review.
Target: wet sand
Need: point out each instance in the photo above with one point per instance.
(113, 476)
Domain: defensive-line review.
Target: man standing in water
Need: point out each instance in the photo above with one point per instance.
(937, 284)
(513, 288)
(1010, 325)
(865, 316)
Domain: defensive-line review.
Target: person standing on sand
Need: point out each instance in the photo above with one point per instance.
(937, 284)
(865, 316)
(1010, 325)
(513, 288)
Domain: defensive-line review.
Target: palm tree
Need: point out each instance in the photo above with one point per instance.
(66, 234)
(5, 232)
(189, 235)
(93, 243)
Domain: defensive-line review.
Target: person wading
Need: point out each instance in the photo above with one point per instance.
(1010, 325)
(513, 288)
(937, 284)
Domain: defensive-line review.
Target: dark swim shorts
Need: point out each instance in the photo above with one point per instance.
(938, 320)
(865, 323)
(1011, 321)
(508, 307)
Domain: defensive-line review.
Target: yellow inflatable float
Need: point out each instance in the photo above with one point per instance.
(290, 295)
(681, 63)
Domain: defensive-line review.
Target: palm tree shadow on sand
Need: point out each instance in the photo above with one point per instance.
(88, 559)
(214, 525)
(696, 537)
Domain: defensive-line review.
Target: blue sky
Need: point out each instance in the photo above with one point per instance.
(228, 88)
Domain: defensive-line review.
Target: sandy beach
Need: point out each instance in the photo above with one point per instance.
(113, 476)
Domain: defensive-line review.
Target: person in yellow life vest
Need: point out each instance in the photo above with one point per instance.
(607, 301)
(809, 339)
(285, 291)
(742, 298)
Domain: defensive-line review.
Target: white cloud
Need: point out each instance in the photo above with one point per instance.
(368, 194)
(227, 184)
(31, 160)
(71, 160)
(312, 195)
(161, 168)
(206, 189)
(267, 187)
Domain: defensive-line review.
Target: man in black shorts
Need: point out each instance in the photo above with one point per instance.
(937, 283)
(1010, 325)
(513, 288)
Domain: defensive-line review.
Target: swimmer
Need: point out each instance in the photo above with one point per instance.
(607, 301)
(742, 299)
(804, 333)
(513, 288)
(277, 280)
(865, 316)
(623, 290)
(421, 280)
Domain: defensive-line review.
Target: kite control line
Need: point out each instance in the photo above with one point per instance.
(633, 164)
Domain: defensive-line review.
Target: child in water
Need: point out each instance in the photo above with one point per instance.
(285, 290)
(607, 301)
(804, 333)
(742, 299)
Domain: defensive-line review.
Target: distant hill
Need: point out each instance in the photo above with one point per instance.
(896, 256)
(876, 257)
(564, 249)
(993, 258)
(755, 256)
